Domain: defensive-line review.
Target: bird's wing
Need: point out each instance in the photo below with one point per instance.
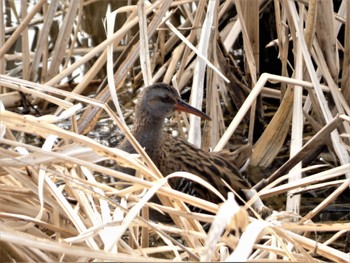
(211, 167)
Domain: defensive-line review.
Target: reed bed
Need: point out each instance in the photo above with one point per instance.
(64, 71)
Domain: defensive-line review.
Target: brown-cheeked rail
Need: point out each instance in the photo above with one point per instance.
(169, 154)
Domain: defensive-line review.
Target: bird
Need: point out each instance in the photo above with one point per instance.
(157, 102)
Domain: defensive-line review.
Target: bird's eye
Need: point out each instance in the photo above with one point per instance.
(166, 99)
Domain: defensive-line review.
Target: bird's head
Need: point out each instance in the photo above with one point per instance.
(160, 100)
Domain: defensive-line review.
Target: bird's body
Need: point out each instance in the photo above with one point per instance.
(170, 154)
(180, 155)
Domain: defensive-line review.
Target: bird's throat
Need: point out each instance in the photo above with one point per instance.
(148, 133)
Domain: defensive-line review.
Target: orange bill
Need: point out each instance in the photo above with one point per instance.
(185, 107)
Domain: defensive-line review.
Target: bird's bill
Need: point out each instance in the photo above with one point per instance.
(185, 107)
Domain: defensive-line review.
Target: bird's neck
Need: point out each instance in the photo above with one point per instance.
(148, 132)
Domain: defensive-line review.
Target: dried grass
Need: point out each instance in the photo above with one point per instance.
(54, 209)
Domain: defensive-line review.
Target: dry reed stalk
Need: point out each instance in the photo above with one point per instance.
(326, 36)
(270, 142)
(144, 47)
(197, 91)
(7, 45)
(54, 209)
(2, 40)
(248, 48)
(25, 45)
(10, 99)
(346, 68)
(196, 22)
(293, 201)
(340, 151)
(250, 27)
(48, 20)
